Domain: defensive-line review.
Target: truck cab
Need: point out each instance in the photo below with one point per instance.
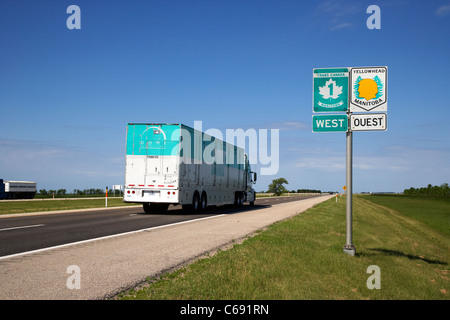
(250, 194)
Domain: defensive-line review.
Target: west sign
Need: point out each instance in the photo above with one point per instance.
(330, 123)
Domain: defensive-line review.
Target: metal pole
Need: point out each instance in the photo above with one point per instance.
(349, 248)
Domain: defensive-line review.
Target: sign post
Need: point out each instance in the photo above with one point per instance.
(362, 89)
(117, 187)
(106, 198)
(349, 248)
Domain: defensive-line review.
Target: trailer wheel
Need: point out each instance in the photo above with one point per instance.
(196, 202)
(252, 203)
(203, 202)
(239, 199)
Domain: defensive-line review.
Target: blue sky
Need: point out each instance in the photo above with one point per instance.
(67, 95)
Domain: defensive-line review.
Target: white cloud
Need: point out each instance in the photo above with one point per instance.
(385, 168)
(391, 158)
(322, 163)
(341, 26)
(339, 14)
(443, 10)
(287, 125)
(338, 8)
(54, 165)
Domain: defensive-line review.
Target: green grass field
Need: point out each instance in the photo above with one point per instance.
(435, 212)
(302, 258)
(9, 207)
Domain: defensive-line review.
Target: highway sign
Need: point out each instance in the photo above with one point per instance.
(330, 123)
(368, 122)
(330, 90)
(360, 89)
(368, 89)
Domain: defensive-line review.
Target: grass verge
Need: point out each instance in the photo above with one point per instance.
(56, 204)
(302, 258)
(435, 212)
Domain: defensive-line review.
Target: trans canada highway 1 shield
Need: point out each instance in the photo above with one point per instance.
(330, 90)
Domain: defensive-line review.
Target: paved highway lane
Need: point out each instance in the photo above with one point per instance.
(32, 232)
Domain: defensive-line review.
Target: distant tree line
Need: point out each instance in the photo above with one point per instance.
(308, 191)
(432, 191)
(277, 187)
(62, 193)
(49, 193)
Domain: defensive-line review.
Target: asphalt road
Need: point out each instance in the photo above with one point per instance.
(23, 233)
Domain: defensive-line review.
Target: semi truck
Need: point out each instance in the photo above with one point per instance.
(17, 189)
(174, 164)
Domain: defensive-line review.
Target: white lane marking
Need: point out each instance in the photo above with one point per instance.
(22, 227)
(105, 237)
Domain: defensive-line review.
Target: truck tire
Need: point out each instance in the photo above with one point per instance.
(252, 203)
(203, 202)
(194, 206)
(239, 199)
(196, 202)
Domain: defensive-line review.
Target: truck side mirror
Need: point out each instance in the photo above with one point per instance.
(254, 176)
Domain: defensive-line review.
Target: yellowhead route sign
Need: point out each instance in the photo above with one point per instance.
(368, 89)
